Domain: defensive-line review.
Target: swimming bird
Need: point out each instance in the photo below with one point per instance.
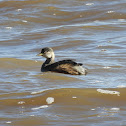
(63, 66)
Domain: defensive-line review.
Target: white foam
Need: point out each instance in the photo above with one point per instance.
(98, 81)
(89, 4)
(32, 115)
(74, 97)
(121, 20)
(121, 86)
(115, 109)
(98, 116)
(96, 21)
(103, 50)
(24, 21)
(106, 67)
(92, 109)
(8, 122)
(40, 107)
(50, 100)
(8, 27)
(110, 11)
(21, 102)
(19, 10)
(109, 92)
(37, 92)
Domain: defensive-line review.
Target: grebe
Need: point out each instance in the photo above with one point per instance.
(64, 66)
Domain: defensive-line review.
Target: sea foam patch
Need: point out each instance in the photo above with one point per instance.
(40, 107)
(21, 102)
(115, 109)
(8, 122)
(19, 10)
(89, 4)
(121, 20)
(107, 67)
(74, 97)
(50, 100)
(121, 86)
(108, 92)
(8, 27)
(110, 12)
(24, 21)
(37, 92)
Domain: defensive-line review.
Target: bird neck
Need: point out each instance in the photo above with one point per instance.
(49, 61)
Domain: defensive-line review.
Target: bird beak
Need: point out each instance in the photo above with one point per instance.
(40, 54)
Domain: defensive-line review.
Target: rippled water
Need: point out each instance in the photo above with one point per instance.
(89, 32)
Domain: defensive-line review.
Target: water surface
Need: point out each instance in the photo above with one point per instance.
(89, 32)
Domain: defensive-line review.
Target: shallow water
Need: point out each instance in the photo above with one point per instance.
(89, 32)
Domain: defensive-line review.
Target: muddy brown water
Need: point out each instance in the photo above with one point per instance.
(89, 32)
